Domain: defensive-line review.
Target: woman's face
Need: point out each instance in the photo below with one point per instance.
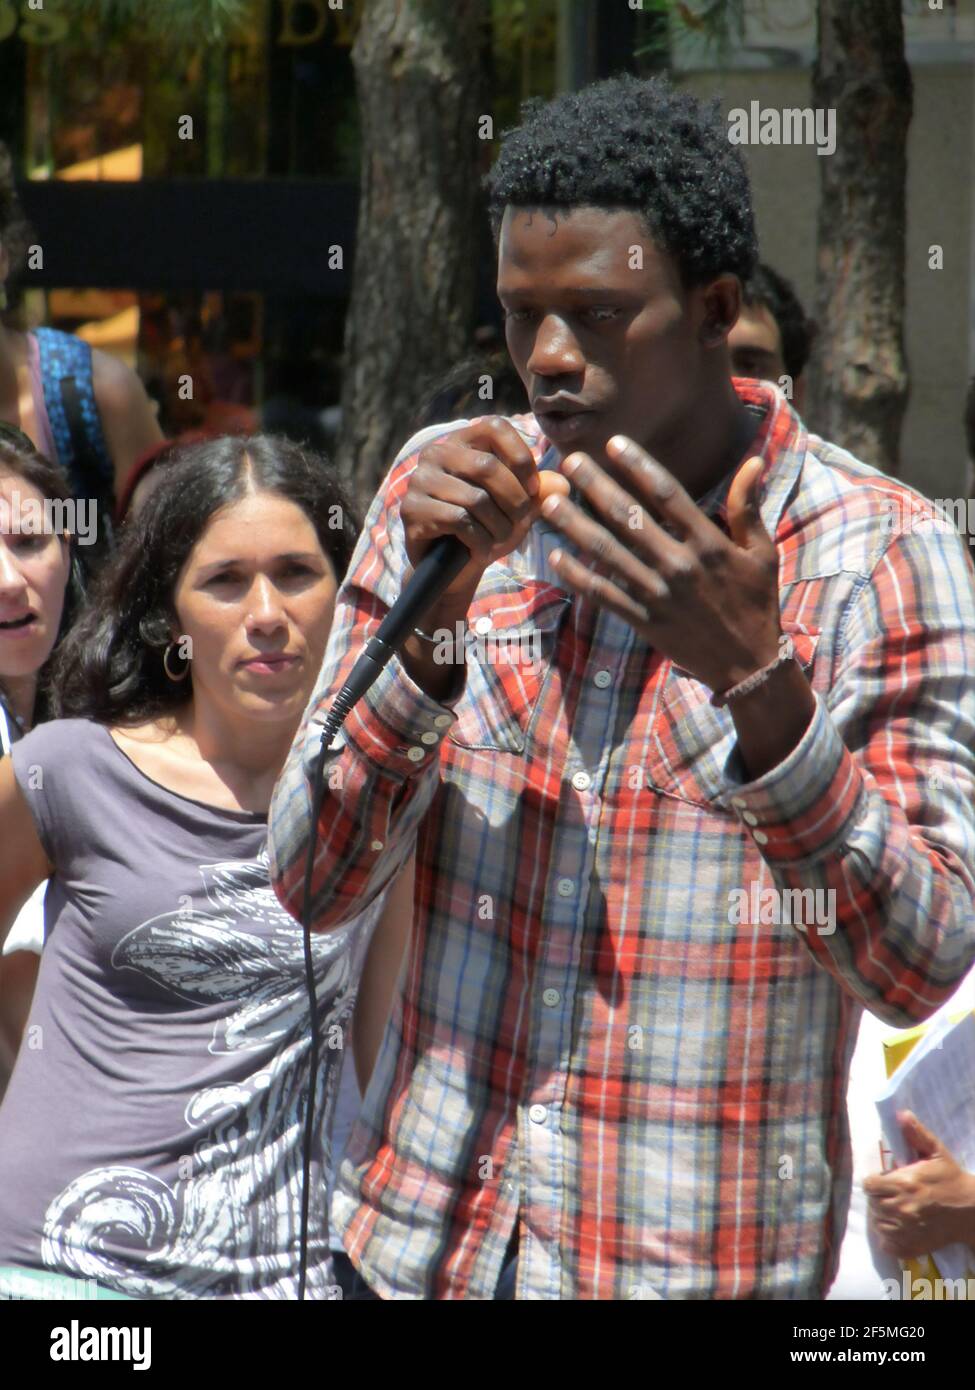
(34, 569)
(255, 598)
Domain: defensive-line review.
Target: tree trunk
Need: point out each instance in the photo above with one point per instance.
(411, 312)
(860, 383)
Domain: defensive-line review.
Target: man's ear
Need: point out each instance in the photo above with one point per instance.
(721, 305)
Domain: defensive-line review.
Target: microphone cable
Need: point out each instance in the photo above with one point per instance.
(443, 562)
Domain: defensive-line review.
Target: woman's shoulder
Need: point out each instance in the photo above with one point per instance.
(93, 749)
(60, 769)
(65, 750)
(69, 735)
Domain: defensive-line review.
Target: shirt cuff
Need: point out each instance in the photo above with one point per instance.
(396, 724)
(801, 809)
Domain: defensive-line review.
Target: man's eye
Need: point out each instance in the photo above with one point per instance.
(517, 315)
(27, 540)
(602, 312)
(225, 577)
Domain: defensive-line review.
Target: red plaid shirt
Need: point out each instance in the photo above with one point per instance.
(635, 977)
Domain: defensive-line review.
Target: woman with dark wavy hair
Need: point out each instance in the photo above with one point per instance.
(154, 1143)
(40, 590)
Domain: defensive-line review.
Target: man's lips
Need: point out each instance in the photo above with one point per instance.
(564, 425)
(559, 405)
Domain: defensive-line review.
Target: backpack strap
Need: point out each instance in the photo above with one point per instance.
(76, 428)
(78, 436)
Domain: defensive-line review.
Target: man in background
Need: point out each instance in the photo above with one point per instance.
(773, 337)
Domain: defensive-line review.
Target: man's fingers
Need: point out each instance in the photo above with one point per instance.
(652, 483)
(447, 462)
(621, 514)
(552, 484)
(488, 524)
(744, 518)
(599, 589)
(496, 435)
(432, 523)
(600, 545)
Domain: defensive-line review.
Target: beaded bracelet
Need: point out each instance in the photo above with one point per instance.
(751, 682)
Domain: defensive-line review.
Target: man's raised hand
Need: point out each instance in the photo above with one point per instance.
(479, 484)
(708, 602)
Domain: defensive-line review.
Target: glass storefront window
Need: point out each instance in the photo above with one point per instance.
(274, 99)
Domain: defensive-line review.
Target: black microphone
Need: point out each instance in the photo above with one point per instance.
(442, 563)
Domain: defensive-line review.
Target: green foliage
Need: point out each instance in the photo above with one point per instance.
(177, 21)
(523, 41)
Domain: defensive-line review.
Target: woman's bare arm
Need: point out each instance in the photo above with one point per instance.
(23, 863)
(381, 972)
(128, 416)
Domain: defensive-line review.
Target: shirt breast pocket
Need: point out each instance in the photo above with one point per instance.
(514, 627)
(692, 741)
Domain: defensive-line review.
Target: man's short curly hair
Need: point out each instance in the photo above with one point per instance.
(640, 144)
(773, 291)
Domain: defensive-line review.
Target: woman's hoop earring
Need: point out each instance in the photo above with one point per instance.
(183, 674)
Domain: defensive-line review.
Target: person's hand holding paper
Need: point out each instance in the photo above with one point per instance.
(925, 1205)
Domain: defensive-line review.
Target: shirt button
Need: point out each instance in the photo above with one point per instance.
(415, 754)
(377, 844)
(483, 625)
(537, 1114)
(566, 887)
(429, 738)
(581, 781)
(749, 817)
(602, 679)
(759, 837)
(551, 997)
(442, 720)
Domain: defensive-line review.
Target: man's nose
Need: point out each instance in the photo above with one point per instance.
(555, 351)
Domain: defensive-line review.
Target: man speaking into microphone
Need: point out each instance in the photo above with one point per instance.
(727, 802)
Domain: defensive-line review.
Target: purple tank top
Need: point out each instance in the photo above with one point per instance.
(150, 1137)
